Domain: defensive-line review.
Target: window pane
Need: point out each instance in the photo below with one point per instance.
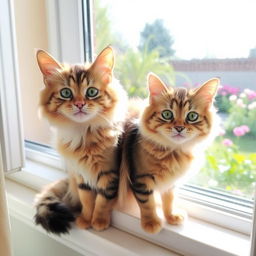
(187, 43)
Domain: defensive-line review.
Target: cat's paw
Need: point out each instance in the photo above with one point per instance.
(152, 226)
(175, 219)
(100, 223)
(82, 223)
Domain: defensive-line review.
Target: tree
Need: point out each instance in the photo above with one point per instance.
(133, 66)
(156, 36)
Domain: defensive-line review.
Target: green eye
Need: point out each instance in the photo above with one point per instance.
(167, 114)
(192, 116)
(66, 93)
(92, 92)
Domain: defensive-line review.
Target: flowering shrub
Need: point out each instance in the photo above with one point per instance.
(242, 112)
(228, 168)
(227, 90)
(231, 161)
(222, 99)
(241, 130)
(227, 142)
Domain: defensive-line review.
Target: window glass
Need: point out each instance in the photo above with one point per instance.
(187, 43)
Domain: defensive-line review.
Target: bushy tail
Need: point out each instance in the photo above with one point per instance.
(56, 205)
(125, 194)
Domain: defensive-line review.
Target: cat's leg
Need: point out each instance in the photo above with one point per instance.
(107, 188)
(167, 204)
(143, 191)
(87, 197)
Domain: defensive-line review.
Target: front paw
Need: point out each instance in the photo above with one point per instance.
(100, 223)
(83, 223)
(175, 219)
(152, 225)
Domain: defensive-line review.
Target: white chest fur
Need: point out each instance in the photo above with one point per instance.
(74, 137)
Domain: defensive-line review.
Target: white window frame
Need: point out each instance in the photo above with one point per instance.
(10, 119)
(253, 233)
(66, 31)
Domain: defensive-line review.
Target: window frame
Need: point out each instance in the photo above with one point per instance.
(11, 145)
(253, 233)
(196, 206)
(60, 47)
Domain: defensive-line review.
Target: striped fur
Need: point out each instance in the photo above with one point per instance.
(86, 106)
(158, 152)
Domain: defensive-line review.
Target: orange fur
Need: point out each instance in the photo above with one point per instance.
(163, 149)
(86, 106)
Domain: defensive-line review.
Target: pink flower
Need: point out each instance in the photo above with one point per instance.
(241, 130)
(227, 142)
(245, 128)
(252, 95)
(228, 90)
(238, 131)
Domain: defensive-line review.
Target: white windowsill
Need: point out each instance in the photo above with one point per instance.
(110, 242)
(199, 237)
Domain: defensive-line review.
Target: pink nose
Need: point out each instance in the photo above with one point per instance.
(179, 128)
(79, 104)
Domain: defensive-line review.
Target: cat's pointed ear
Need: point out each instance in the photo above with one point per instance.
(47, 64)
(103, 65)
(206, 93)
(155, 85)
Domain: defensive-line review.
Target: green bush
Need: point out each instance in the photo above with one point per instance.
(222, 103)
(228, 168)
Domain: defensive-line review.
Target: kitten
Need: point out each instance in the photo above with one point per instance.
(87, 107)
(160, 148)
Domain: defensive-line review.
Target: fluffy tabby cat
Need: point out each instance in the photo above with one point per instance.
(86, 106)
(161, 147)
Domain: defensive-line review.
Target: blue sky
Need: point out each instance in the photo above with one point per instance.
(201, 28)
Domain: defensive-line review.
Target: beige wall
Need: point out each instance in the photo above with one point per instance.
(31, 28)
(5, 239)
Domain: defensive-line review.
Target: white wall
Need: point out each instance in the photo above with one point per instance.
(31, 28)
